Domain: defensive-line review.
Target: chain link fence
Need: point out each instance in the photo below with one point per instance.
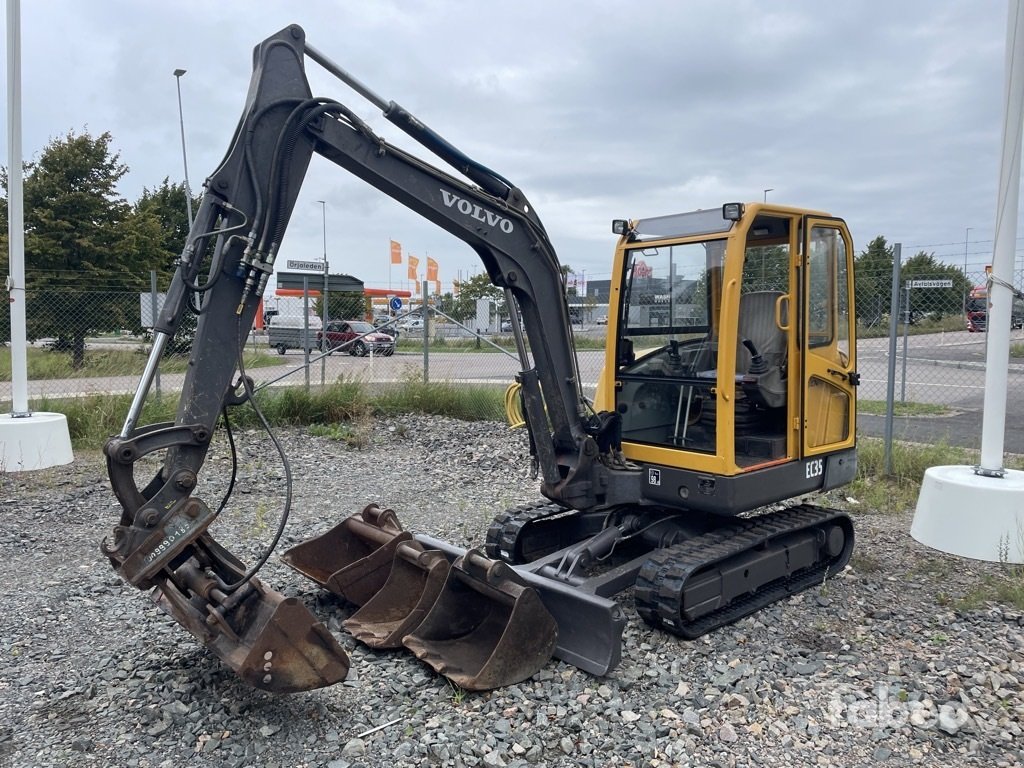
(85, 340)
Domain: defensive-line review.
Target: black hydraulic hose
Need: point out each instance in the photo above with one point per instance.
(286, 465)
(234, 463)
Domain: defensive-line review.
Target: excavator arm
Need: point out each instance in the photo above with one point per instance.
(162, 540)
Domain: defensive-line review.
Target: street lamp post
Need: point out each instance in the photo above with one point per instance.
(967, 234)
(770, 189)
(327, 343)
(184, 157)
(323, 212)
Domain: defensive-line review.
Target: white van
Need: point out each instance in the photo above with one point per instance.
(286, 332)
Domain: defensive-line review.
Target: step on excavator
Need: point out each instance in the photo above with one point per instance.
(728, 387)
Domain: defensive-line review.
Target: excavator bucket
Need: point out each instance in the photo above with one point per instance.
(416, 580)
(487, 629)
(352, 559)
(271, 641)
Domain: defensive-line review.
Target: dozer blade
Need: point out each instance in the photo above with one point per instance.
(272, 642)
(354, 558)
(487, 629)
(416, 580)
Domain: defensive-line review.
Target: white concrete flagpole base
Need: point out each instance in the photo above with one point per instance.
(37, 441)
(970, 515)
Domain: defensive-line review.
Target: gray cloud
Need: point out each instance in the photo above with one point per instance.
(885, 113)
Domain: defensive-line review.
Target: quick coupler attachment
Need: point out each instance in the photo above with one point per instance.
(487, 628)
(354, 558)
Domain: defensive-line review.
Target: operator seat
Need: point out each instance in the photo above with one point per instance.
(762, 378)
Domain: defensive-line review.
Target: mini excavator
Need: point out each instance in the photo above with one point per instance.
(728, 387)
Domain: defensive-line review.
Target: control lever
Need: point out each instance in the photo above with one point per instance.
(757, 364)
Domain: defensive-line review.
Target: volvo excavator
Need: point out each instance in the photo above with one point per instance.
(728, 387)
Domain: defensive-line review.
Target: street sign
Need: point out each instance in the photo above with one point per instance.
(395, 303)
(930, 283)
(312, 266)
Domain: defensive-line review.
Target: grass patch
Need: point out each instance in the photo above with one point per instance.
(467, 402)
(897, 493)
(1017, 350)
(342, 411)
(1005, 587)
(877, 408)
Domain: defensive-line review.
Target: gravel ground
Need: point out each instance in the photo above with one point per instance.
(872, 668)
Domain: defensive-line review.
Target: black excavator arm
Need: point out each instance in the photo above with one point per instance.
(162, 539)
(245, 211)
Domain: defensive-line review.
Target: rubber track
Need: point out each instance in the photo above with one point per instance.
(503, 534)
(659, 585)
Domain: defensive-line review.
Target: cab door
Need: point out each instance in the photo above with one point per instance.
(828, 337)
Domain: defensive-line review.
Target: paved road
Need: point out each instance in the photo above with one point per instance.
(946, 369)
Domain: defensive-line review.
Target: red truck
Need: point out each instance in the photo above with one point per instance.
(976, 310)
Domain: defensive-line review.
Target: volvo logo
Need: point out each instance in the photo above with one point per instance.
(476, 211)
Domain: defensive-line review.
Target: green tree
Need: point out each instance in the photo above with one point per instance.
(83, 244)
(167, 204)
(934, 302)
(162, 214)
(873, 281)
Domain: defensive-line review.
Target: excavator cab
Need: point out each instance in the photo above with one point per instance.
(731, 354)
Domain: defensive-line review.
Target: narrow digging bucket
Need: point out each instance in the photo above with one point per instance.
(270, 641)
(354, 558)
(487, 629)
(416, 580)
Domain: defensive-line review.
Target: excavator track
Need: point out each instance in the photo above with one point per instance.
(694, 587)
(506, 539)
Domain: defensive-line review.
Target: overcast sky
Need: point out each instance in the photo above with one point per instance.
(887, 114)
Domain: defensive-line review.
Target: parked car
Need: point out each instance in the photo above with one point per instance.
(411, 323)
(384, 325)
(355, 337)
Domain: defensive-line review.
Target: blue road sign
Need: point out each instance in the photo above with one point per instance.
(396, 303)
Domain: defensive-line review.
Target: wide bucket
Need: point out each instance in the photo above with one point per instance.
(487, 629)
(413, 586)
(354, 558)
(271, 641)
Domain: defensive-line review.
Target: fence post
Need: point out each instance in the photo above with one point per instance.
(890, 384)
(305, 329)
(906, 326)
(153, 314)
(426, 334)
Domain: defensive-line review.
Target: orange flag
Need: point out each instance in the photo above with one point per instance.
(437, 287)
(431, 269)
(414, 264)
(396, 252)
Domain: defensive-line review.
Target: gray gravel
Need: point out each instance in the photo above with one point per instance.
(872, 668)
